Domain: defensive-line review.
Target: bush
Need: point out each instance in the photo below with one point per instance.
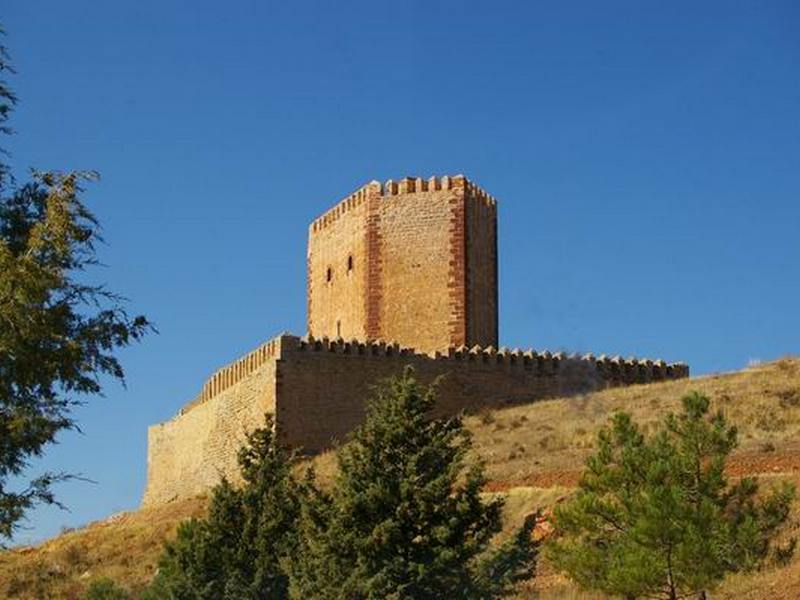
(105, 589)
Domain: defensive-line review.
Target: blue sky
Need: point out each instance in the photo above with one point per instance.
(645, 156)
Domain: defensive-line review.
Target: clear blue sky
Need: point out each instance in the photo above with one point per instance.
(646, 158)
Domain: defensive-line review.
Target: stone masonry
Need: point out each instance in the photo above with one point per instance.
(414, 262)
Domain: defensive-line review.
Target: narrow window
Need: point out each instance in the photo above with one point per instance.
(338, 329)
(329, 274)
(349, 263)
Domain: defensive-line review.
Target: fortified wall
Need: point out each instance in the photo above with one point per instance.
(315, 390)
(415, 262)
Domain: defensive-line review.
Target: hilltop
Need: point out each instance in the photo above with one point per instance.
(533, 453)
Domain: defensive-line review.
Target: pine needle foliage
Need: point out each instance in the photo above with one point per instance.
(405, 518)
(656, 517)
(239, 551)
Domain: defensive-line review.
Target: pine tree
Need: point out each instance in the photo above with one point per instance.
(405, 518)
(657, 516)
(238, 550)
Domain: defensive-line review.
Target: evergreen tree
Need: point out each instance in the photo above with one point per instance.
(405, 518)
(238, 551)
(657, 517)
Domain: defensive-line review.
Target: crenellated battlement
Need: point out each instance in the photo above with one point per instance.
(232, 373)
(614, 370)
(406, 185)
(352, 201)
(611, 371)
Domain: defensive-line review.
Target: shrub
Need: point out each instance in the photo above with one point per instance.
(105, 589)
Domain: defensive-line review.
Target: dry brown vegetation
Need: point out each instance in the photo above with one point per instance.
(545, 441)
(124, 547)
(533, 453)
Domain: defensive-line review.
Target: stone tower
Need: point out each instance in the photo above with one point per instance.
(411, 261)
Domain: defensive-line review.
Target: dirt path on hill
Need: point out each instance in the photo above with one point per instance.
(748, 463)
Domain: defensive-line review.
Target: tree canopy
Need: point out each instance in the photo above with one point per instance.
(58, 334)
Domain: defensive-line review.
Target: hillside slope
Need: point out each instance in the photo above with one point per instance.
(533, 453)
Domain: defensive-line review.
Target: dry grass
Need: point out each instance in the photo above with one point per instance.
(124, 547)
(523, 443)
(533, 453)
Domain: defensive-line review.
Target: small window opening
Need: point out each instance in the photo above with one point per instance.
(338, 329)
(329, 274)
(349, 263)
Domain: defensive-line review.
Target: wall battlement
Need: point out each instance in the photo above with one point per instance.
(406, 185)
(232, 373)
(611, 371)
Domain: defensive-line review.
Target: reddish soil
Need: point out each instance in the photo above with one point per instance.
(748, 463)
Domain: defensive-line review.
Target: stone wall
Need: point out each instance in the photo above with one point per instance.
(322, 384)
(417, 260)
(187, 454)
(481, 267)
(424, 265)
(337, 272)
(316, 391)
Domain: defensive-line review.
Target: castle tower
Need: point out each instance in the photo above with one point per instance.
(411, 261)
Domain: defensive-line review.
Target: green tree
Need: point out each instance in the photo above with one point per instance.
(58, 334)
(656, 517)
(238, 551)
(405, 518)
